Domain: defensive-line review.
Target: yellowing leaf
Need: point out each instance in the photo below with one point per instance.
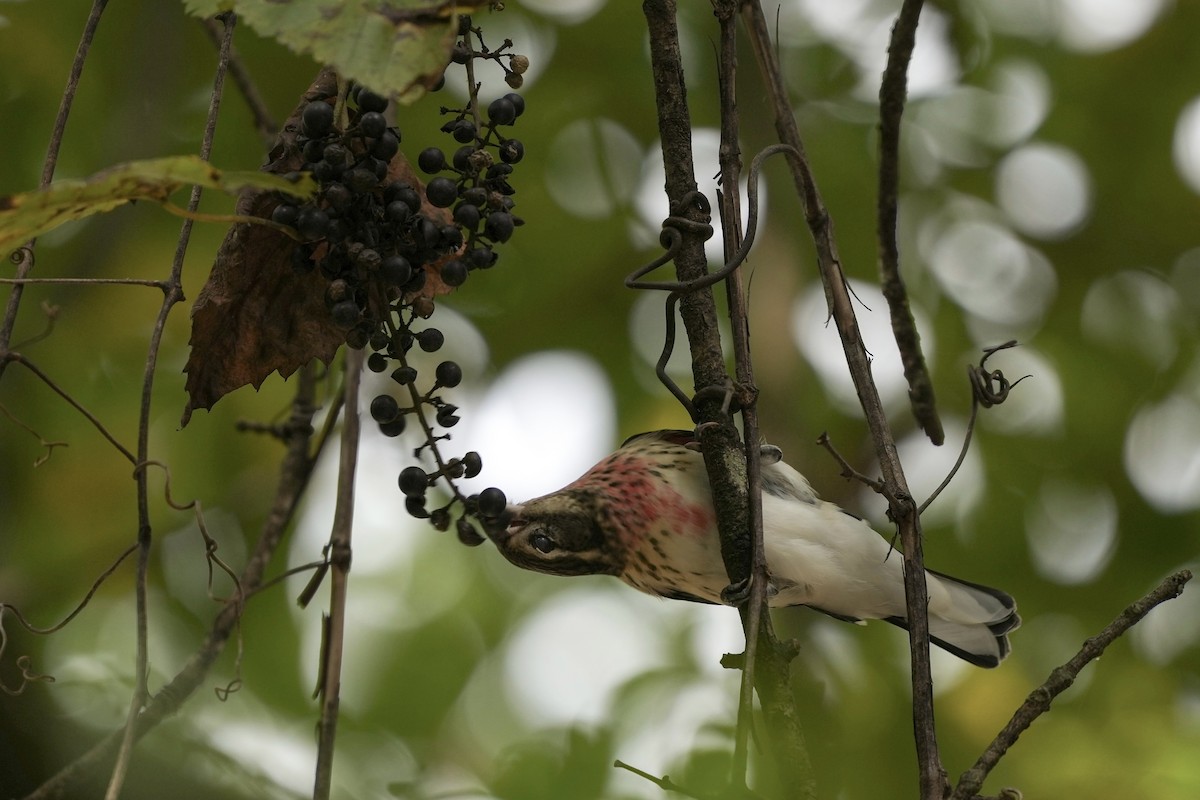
(29, 215)
(395, 47)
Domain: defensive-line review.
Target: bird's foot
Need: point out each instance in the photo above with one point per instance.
(735, 594)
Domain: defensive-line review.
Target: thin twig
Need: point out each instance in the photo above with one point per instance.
(24, 255)
(87, 598)
(667, 785)
(339, 558)
(44, 457)
(46, 379)
(893, 90)
(766, 665)
(88, 281)
(264, 123)
(730, 207)
(1060, 680)
(932, 775)
(172, 295)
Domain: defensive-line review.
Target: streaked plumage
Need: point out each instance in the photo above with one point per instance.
(645, 515)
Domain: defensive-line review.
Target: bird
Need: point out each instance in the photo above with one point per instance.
(645, 515)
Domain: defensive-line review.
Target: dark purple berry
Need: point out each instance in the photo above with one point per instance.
(336, 154)
(405, 194)
(517, 101)
(447, 416)
(461, 54)
(431, 233)
(324, 172)
(431, 340)
(396, 270)
(312, 150)
(384, 408)
(416, 507)
(442, 192)
(431, 160)
(467, 533)
(311, 222)
(439, 518)
(481, 257)
(476, 196)
(393, 428)
(452, 237)
(337, 195)
(345, 314)
(454, 273)
(398, 211)
(285, 214)
(462, 158)
(472, 464)
(404, 375)
(467, 215)
(449, 374)
(512, 151)
(376, 362)
(413, 481)
(361, 179)
(417, 282)
(387, 147)
(317, 118)
(499, 226)
(463, 131)
(492, 502)
(501, 111)
(369, 101)
(372, 124)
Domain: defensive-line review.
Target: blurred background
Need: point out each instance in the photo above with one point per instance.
(1051, 176)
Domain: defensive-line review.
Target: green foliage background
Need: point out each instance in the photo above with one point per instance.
(435, 711)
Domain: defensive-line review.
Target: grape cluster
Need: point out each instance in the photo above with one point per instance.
(379, 241)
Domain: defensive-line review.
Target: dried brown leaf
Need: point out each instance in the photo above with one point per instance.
(257, 315)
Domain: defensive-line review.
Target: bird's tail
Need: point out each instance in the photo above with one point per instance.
(967, 619)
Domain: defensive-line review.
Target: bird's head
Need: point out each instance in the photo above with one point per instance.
(559, 534)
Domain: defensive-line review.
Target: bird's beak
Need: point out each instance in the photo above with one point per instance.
(508, 524)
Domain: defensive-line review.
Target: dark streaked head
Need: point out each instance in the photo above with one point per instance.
(559, 534)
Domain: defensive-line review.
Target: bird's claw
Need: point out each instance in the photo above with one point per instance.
(735, 594)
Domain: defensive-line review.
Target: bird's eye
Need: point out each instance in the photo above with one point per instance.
(541, 542)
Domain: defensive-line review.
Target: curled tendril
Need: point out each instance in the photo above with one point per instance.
(982, 381)
(671, 238)
(22, 255)
(988, 388)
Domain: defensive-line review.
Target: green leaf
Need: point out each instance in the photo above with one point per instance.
(29, 215)
(396, 47)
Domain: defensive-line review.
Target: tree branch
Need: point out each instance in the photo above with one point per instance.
(893, 91)
(724, 458)
(339, 560)
(1060, 680)
(264, 123)
(901, 507)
